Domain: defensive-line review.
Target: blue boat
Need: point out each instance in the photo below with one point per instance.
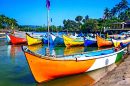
(59, 40)
(51, 38)
(45, 39)
(90, 41)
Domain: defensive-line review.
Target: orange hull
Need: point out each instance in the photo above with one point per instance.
(45, 69)
(103, 42)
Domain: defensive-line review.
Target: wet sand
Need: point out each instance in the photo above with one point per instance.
(120, 76)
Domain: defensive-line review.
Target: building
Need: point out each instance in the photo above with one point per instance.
(122, 25)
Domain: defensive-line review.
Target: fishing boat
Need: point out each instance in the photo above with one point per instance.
(72, 41)
(88, 41)
(117, 42)
(17, 40)
(48, 67)
(8, 38)
(32, 40)
(103, 42)
(45, 39)
(57, 39)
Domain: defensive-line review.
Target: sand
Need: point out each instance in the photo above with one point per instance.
(120, 76)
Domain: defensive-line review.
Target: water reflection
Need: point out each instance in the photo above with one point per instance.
(35, 48)
(72, 50)
(101, 48)
(13, 50)
(90, 49)
(59, 50)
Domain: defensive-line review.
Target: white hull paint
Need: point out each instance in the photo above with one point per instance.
(102, 62)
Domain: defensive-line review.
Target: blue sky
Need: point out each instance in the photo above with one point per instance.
(34, 12)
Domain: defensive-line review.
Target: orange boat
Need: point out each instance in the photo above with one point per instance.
(103, 42)
(45, 68)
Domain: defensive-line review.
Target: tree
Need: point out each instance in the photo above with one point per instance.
(89, 25)
(86, 18)
(118, 8)
(124, 5)
(106, 13)
(113, 11)
(7, 21)
(78, 19)
(2, 18)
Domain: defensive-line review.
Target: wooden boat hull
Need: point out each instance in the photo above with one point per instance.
(58, 41)
(8, 38)
(72, 42)
(45, 40)
(32, 41)
(45, 68)
(117, 42)
(16, 40)
(88, 42)
(51, 38)
(103, 42)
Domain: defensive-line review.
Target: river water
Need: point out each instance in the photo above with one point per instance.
(14, 69)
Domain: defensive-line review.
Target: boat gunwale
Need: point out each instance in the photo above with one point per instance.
(90, 39)
(33, 37)
(122, 40)
(72, 38)
(104, 38)
(55, 58)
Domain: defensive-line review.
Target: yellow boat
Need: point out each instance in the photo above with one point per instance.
(117, 42)
(32, 40)
(72, 42)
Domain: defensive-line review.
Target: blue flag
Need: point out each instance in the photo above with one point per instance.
(48, 4)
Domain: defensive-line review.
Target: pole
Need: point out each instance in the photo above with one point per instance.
(48, 25)
(47, 49)
(56, 30)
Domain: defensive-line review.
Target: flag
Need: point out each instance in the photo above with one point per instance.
(103, 16)
(48, 4)
(51, 19)
(12, 26)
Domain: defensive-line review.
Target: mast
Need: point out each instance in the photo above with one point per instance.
(48, 25)
(48, 8)
(56, 30)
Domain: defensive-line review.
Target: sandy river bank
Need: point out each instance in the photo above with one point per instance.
(120, 76)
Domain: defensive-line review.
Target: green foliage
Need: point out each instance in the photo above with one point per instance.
(8, 21)
(89, 25)
(41, 29)
(78, 18)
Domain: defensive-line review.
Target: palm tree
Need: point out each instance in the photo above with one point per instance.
(118, 8)
(7, 21)
(126, 15)
(106, 13)
(2, 18)
(113, 11)
(124, 5)
(86, 17)
(122, 16)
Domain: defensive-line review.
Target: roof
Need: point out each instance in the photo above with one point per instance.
(120, 23)
(127, 21)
